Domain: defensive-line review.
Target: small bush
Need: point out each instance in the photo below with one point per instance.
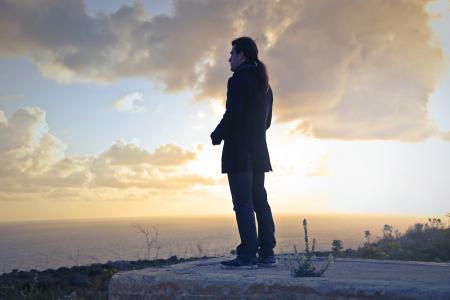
(429, 241)
(301, 264)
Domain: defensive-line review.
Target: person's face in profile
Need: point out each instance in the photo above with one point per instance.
(235, 59)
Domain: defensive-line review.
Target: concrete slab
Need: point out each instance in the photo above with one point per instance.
(345, 279)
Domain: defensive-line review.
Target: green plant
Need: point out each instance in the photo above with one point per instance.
(367, 236)
(336, 246)
(429, 241)
(301, 264)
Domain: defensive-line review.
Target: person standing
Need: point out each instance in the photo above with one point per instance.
(245, 156)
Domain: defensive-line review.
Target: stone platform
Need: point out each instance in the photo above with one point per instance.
(345, 279)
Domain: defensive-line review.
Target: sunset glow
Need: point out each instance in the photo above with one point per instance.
(106, 107)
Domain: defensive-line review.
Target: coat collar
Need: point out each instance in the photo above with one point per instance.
(245, 65)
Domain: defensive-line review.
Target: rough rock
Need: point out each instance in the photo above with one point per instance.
(345, 279)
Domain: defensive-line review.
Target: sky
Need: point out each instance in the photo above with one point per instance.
(106, 107)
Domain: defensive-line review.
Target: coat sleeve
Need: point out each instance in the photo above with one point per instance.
(269, 116)
(233, 113)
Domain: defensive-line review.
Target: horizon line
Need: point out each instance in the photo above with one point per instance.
(225, 215)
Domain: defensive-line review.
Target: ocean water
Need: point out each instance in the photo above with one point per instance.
(52, 244)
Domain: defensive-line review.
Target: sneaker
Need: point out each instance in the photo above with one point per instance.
(238, 263)
(267, 261)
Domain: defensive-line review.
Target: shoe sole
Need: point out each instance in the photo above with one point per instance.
(238, 268)
(272, 265)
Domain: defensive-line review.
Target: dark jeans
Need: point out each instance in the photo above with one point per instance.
(250, 197)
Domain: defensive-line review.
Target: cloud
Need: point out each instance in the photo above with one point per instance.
(166, 155)
(33, 164)
(364, 70)
(127, 165)
(172, 155)
(106, 47)
(340, 70)
(128, 103)
(26, 144)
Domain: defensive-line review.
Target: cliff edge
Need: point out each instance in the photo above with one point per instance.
(345, 279)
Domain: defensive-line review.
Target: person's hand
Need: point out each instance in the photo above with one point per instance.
(215, 139)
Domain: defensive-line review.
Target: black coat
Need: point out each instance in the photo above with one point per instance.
(243, 126)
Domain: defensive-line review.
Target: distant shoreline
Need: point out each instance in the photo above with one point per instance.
(222, 216)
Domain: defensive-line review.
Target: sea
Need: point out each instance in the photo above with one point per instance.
(52, 244)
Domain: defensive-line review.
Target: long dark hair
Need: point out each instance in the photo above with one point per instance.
(248, 46)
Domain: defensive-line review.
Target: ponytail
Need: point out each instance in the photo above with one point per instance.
(262, 74)
(248, 46)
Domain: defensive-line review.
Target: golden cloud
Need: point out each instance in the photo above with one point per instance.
(33, 164)
(342, 70)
